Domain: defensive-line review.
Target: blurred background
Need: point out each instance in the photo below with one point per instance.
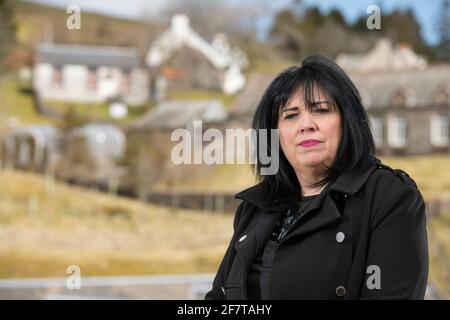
(90, 92)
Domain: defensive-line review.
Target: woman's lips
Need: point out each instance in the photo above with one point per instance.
(308, 143)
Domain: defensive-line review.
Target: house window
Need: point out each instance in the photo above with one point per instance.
(376, 124)
(92, 80)
(442, 98)
(57, 80)
(109, 73)
(403, 98)
(397, 131)
(439, 130)
(126, 82)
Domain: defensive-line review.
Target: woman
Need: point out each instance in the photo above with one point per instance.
(333, 222)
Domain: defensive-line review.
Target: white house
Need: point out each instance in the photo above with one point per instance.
(228, 61)
(82, 73)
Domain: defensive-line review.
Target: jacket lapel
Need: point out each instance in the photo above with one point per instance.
(256, 238)
(327, 215)
(265, 228)
(247, 249)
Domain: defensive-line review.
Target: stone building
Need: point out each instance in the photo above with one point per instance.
(408, 101)
(92, 74)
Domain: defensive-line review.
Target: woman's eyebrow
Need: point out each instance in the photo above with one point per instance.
(314, 103)
(289, 109)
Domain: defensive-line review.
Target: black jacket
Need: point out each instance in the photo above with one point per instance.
(363, 237)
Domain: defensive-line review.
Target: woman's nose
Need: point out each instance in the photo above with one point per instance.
(307, 123)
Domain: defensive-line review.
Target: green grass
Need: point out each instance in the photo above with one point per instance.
(15, 102)
(91, 112)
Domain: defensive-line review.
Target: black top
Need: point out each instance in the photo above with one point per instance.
(259, 274)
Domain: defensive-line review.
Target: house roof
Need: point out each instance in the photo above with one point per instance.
(377, 89)
(247, 101)
(91, 56)
(180, 34)
(179, 113)
(420, 86)
(383, 57)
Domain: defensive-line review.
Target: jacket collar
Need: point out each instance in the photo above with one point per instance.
(348, 183)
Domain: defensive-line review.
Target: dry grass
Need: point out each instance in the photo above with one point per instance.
(220, 178)
(45, 227)
(439, 250)
(429, 172)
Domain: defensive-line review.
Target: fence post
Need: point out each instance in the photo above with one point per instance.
(50, 182)
(220, 203)
(113, 186)
(33, 205)
(208, 202)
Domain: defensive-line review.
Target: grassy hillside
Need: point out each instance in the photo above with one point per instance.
(426, 171)
(35, 22)
(16, 103)
(439, 250)
(45, 227)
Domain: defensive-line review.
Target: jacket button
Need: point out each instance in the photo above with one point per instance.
(341, 291)
(243, 238)
(340, 236)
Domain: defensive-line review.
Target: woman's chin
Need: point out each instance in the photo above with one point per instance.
(311, 161)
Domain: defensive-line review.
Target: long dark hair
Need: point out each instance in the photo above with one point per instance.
(356, 147)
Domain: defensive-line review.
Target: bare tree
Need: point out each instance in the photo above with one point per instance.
(444, 30)
(7, 28)
(209, 17)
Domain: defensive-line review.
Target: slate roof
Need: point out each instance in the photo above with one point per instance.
(178, 113)
(91, 56)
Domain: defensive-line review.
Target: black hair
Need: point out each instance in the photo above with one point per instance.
(356, 146)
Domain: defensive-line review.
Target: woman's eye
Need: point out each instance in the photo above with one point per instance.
(320, 110)
(290, 116)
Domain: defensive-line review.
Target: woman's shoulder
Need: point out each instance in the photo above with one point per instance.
(388, 179)
(254, 195)
(394, 192)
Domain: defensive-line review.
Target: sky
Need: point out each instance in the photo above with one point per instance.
(426, 11)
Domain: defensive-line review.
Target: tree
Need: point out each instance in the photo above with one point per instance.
(337, 17)
(7, 28)
(315, 32)
(404, 27)
(214, 16)
(287, 34)
(443, 47)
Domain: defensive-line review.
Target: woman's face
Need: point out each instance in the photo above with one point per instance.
(309, 138)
